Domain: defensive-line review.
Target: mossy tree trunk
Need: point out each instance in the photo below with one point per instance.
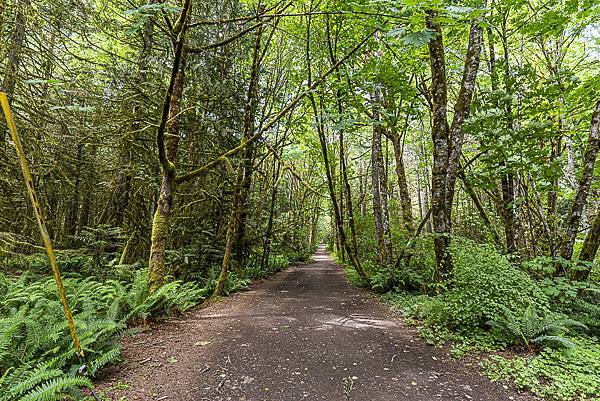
(237, 219)
(585, 183)
(589, 249)
(404, 194)
(167, 153)
(448, 139)
(241, 246)
(378, 185)
(269, 231)
(13, 58)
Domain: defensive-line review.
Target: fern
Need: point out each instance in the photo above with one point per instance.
(533, 331)
(54, 389)
(23, 380)
(106, 357)
(557, 340)
(42, 383)
(36, 351)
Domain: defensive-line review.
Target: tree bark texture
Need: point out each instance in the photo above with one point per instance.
(589, 248)
(585, 182)
(167, 154)
(378, 185)
(447, 140)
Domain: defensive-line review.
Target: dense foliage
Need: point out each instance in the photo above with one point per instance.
(445, 151)
(37, 358)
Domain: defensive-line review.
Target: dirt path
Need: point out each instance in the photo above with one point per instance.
(293, 337)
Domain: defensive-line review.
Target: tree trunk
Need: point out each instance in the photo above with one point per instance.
(341, 191)
(589, 248)
(232, 231)
(380, 212)
(13, 59)
(349, 206)
(405, 201)
(237, 220)
(447, 141)
(585, 182)
(267, 241)
(462, 110)
(167, 155)
(240, 246)
(439, 134)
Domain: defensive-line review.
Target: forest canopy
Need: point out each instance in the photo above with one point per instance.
(446, 151)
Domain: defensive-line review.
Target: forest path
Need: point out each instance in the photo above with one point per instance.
(295, 336)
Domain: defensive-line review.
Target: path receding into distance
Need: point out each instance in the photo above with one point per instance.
(293, 337)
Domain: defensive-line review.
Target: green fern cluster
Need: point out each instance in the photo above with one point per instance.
(37, 358)
(534, 331)
(42, 383)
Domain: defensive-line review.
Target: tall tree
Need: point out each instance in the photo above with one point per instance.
(13, 58)
(167, 139)
(448, 140)
(237, 220)
(585, 182)
(379, 184)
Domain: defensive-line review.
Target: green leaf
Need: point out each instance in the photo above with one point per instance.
(419, 38)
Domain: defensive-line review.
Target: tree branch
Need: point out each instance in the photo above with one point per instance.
(204, 169)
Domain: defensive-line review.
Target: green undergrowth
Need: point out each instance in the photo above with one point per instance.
(37, 359)
(545, 327)
(557, 374)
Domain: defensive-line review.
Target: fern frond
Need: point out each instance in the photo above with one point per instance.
(28, 380)
(107, 357)
(554, 340)
(54, 390)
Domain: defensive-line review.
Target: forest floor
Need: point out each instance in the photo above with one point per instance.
(296, 336)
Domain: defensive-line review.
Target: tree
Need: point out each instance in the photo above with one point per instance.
(448, 140)
(589, 161)
(167, 139)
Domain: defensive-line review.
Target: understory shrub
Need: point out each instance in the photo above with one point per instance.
(555, 374)
(415, 273)
(577, 299)
(483, 282)
(554, 319)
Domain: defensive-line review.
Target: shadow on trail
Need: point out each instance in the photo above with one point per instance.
(296, 336)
